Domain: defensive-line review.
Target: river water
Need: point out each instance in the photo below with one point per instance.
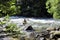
(36, 23)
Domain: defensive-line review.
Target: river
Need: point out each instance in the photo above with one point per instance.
(35, 22)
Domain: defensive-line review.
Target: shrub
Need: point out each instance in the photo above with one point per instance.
(53, 7)
(8, 7)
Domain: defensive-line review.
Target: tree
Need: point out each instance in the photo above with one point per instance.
(53, 7)
(8, 7)
(33, 8)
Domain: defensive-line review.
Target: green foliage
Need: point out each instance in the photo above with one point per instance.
(53, 7)
(6, 18)
(8, 7)
(4, 21)
(12, 27)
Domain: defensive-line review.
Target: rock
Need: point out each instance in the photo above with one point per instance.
(24, 22)
(55, 32)
(51, 29)
(58, 38)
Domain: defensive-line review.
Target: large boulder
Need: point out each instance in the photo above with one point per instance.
(50, 28)
(55, 34)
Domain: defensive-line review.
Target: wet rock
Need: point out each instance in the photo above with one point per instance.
(55, 32)
(50, 28)
(58, 38)
(29, 28)
(24, 22)
(55, 35)
(1, 38)
(58, 28)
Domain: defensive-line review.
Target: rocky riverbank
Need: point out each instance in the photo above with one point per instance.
(35, 29)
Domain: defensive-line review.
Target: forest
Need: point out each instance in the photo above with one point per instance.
(31, 8)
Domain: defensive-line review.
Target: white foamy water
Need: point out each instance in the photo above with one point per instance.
(32, 21)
